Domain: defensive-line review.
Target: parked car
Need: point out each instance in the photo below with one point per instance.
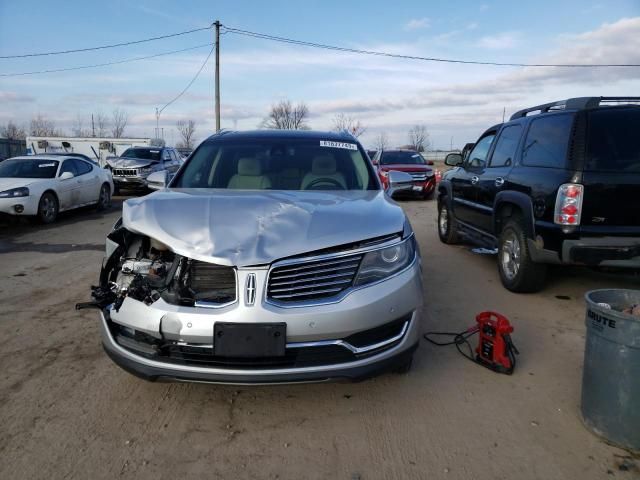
(131, 169)
(45, 185)
(272, 256)
(557, 187)
(411, 162)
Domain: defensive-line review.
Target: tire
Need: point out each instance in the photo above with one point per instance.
(48, 208)
(518, 272)
(104, 200)
(447, 228)
(404, 367)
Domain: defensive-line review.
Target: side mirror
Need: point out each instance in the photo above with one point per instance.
(399, 182)
(453, 160)
(66, 176)
(157, 180)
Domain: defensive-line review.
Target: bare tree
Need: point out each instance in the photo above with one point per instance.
(382, 142)
(41, 126)
(12, 131)
(285, 116)
(419, 138)
(78, 129)
(187, 130)
(119, 120)
(101, 125)
(345, 122)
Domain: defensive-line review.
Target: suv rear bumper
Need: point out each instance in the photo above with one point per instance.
(603, 251)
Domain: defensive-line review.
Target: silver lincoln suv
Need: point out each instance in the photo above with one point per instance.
(271, 257)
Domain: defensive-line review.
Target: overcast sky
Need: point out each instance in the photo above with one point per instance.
(455, 102)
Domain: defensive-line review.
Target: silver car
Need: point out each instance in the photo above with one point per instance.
(132, 168)
(272, 257)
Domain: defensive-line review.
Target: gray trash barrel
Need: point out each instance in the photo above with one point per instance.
(611, 376)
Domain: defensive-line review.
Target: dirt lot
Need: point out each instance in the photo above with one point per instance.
(67, 412)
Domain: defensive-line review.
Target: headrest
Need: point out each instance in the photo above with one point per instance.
(323, 165)
(249, 167)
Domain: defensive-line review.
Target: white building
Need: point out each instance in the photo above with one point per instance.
(96, 148)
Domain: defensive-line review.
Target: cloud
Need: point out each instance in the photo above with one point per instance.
(417, 23)
(484, 7)
(500, 41)
(13, 97)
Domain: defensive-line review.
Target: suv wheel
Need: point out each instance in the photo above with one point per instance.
(447, 230)
(517, 271)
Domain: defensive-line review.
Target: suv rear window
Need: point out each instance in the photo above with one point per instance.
(547, 141)
(612, 142)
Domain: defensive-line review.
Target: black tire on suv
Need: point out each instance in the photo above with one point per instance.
(447, 229)
(518, 272)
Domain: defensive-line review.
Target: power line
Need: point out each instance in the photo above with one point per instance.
(82, 67)
(190, 83)
(102, 47)
(292, 41)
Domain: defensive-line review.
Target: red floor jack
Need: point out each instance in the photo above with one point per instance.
(495, 349)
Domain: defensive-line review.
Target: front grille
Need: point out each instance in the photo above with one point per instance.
(125, 172)
(312, 279)
(211, 283)
(418, 177)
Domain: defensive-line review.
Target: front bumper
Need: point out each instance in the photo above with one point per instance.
(397, 299)
(130, 181)
(29, 205)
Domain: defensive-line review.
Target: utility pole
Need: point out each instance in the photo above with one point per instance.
(217, 43)
(157, 123)
(93, 127)
(504, 111)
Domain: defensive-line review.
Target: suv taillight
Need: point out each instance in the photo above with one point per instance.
(569, 204)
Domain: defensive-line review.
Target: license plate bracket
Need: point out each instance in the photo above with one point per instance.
(249, 340)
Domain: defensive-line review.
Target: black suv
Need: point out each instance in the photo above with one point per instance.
(557, 184)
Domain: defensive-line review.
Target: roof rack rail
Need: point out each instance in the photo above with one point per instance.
(578, 103)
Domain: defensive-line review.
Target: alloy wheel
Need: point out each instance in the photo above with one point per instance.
(510, 255)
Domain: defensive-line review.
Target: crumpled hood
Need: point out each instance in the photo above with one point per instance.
(128, 162)
(9, 183)
(243, 228)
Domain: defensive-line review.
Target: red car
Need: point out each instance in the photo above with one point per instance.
(411, 162)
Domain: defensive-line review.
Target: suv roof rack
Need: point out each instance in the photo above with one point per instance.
(579, 103)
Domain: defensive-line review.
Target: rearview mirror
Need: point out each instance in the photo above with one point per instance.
(453, 160)
(399, 182)
(157, 180)
(65, 176)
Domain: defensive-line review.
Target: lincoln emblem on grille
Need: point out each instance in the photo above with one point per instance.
(250, 289)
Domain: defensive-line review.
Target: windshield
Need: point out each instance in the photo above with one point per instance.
(612, 142)
(404, 158)
(277, 164)
(27, 168)
(143, 153)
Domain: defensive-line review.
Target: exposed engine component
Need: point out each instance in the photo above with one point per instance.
(145, 269)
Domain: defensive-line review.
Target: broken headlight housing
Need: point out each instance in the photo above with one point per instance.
(380, 264)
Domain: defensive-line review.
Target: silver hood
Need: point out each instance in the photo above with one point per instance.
(128, 162)
(242, 228)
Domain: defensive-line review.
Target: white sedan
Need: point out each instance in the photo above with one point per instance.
(44, 185)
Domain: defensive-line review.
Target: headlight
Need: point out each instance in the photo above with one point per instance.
(383, 263)
(145, 170)
(15, 192)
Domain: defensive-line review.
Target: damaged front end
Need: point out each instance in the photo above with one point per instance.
(139, 271)
(144, 269)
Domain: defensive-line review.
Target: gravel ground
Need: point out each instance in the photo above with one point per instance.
(66, 411)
